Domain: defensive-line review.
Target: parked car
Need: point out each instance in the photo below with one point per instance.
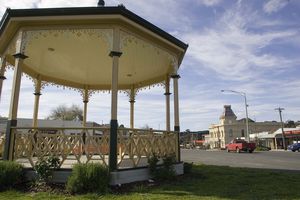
(294, 147)
(239, 145)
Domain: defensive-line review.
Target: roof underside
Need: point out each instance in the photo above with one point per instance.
(71, 46)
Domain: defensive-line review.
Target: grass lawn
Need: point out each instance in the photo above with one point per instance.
(204, 182)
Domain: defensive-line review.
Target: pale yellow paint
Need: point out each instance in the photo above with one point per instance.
(75, 58)
(36, 102)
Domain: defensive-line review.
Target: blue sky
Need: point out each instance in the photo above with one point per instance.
(251, 46)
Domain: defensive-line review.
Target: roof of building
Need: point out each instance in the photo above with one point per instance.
(72, 47)
(277, 133)
(25, 122)
(244, 120)
(121, 10)
(227, 112)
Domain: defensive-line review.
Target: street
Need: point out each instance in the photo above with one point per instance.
(264, 159)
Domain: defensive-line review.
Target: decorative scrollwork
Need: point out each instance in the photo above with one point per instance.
(128, 38)
(105, 34)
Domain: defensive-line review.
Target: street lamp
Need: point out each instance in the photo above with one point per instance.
(246, 107)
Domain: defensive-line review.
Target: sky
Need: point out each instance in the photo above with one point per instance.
(250, 46)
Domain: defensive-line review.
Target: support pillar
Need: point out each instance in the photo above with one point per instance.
(37, 94)
(167, 94)
(132, 101)
(85, 102)
(176, 102)
(14, 102)
(115, 54)
(176, 113)
(2, 71)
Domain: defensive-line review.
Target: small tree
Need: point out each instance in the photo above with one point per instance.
(63, 112)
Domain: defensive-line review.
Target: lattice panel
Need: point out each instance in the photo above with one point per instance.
(139, 146)
(2, 142)
(77, 145)
(80, 147)
(97, 147)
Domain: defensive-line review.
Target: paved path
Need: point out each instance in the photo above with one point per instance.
(267, 159)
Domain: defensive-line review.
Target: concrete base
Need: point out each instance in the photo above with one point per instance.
(135, 175)
(116, 178)
(59, 176)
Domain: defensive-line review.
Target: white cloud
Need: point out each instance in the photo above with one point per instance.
(274, 5)
(234, 52)
(209, 2)
(229, 52)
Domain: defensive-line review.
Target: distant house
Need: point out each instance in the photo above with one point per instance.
(45, 123)
(195, 138)
(274, 139)
(230, 128)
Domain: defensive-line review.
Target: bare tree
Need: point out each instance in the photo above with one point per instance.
(63, 112)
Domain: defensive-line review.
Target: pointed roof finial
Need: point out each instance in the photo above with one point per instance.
(101, 3)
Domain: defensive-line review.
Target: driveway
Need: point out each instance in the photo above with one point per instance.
(284, 160)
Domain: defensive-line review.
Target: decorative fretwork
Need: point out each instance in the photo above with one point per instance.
(97, 33)
(129, 38)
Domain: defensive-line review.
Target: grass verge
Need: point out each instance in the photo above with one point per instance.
(204, 182)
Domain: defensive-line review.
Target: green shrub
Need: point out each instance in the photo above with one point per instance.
(187, 167)
(152, 161)
(261, 148)
(164, 172)
(87, 178)
(45, 167)
(11, 173)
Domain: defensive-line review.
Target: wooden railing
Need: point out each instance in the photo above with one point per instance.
(83, 145)
(2, 142)
(136, 146)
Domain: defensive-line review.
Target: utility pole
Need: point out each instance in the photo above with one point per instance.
(246, 108)
(282, 127)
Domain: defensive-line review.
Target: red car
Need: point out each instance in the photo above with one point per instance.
(239, 145)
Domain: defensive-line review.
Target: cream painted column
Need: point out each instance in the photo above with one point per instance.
(176, 114)
(13, 110)
(167, 94)
(85, 102)
(132, 101)
(115, 54)
(37, 94)
(176, 102)
(2, 71)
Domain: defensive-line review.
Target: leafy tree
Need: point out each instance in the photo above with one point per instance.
(63, 112)
(146, 127)
(290, 124)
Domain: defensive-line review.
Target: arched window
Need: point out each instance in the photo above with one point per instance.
(230, 133)
(243, 133)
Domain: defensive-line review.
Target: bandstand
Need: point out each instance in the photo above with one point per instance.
(89, 49)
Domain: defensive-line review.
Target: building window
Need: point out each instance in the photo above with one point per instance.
(230, 133)
(243, 133)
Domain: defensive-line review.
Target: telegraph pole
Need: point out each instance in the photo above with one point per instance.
(282, 125)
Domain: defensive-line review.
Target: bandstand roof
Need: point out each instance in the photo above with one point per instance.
(71, 46)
